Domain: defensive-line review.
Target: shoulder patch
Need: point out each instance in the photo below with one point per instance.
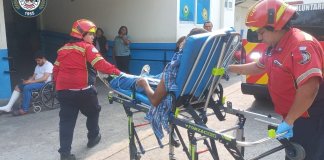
(304, 54)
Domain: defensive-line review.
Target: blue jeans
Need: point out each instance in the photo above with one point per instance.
(27, 93)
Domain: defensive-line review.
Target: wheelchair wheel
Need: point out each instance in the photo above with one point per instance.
(37, 109)
(48, 96)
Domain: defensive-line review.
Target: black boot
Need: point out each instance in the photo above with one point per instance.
(68, 157)
(94, 141)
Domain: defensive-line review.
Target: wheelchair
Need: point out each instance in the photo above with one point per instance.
(44, 98)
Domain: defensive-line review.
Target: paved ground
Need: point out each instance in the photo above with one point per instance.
(35, 136)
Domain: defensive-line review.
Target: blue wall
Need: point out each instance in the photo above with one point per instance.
(5, 85)
(154, 54)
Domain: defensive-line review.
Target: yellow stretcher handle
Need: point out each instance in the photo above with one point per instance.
(218, 71)
(272, 133)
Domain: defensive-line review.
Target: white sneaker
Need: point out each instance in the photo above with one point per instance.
(5, 109)
(146, 69)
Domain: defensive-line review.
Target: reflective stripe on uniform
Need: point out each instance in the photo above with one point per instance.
(307, 73)
(94, 61)
(82, 50)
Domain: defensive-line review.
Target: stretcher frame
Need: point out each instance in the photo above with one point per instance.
(196, 123)
(235, 146)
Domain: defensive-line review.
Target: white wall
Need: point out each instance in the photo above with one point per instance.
(220, 16)
(216, 11)
(3, 39)
(240, 14)
(228, 14)
(147, 20)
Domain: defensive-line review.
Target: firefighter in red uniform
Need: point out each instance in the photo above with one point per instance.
(294, 63)
(74, 75)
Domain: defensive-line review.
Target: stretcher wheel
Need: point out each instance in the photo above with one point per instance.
(297, 152)
(110, 101)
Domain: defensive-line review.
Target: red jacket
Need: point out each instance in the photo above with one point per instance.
(71, 70)
(295, 59)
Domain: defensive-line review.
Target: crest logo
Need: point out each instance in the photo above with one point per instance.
(305, 55)
(29, 8)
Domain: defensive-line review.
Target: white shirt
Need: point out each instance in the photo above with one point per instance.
(47, 67)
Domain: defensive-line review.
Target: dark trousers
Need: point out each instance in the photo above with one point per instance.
(309, 132)
(71, 102)
(123, 63)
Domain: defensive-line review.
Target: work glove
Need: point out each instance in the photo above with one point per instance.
(285, 127)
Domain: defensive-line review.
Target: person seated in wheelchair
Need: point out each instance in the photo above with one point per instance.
(42, 74)
(157, 94)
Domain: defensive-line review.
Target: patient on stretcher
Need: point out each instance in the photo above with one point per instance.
(156, 90)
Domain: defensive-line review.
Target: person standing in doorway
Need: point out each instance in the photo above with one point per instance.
(121, 51)
(74, 76)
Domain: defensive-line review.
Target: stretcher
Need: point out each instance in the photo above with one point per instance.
(204, 61)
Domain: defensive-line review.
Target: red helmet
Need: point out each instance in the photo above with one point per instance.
(273, 13)
(82, 26)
